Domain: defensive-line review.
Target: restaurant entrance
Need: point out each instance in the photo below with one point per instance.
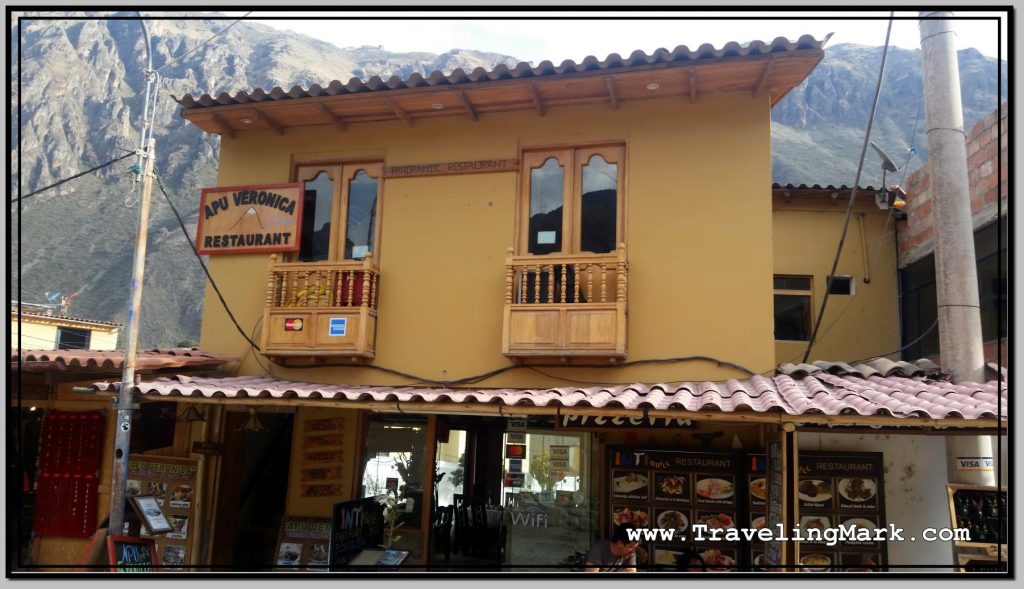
(469, 526)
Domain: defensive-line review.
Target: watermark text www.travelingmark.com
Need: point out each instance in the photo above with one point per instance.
(828, 536)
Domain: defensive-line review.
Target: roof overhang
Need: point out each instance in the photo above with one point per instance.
(769, 70)
(822, 399)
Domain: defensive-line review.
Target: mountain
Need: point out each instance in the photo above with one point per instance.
(81, 86)
(818, 128)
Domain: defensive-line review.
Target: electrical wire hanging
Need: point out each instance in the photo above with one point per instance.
(192, 245)
(853, 193)
(70, 178)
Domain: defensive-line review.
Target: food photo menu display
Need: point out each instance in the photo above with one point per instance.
(674, 490)
(842, 490)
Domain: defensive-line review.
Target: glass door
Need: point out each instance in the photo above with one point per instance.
(549, 500)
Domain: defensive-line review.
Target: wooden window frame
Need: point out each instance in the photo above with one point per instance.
(341, 174)
(809, 293)
(572, 159)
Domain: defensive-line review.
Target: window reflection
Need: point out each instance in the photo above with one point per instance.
(316, 219)
(545, 230)
(362, 214)
(598, 206)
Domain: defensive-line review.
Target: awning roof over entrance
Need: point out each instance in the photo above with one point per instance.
(829, 397)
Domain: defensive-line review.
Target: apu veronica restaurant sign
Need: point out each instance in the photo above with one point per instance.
(250, 219)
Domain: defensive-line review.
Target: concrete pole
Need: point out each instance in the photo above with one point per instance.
(125, 403)
(956, 276)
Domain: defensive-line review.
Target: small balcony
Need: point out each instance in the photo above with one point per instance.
(321, 312)
(570, 308)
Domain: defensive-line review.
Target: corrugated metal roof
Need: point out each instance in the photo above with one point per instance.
(113, 360)
(681, 55)
(821, 393)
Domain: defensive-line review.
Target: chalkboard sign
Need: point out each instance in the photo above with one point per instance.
(355, 525)
(128, 554)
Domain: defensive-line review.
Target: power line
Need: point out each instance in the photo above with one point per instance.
(192, 245)
(853, 193)
(70, 178)
(190, 51)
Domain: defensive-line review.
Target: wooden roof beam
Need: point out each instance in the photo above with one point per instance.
(469, 105)
(225, 128)
(612, 96)
(692, 75)
(536, 99)
(401, 114)
(763, 80)
(333, 118)
(260, 115)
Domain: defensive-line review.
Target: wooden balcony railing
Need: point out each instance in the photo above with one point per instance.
(566, 306)
(321, 310)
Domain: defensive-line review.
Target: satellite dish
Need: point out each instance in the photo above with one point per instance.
(887, 164)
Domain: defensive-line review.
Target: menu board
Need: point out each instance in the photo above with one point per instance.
(304, 542)
(842, 490)
(674, 490)
(172, 483)
(321, 461)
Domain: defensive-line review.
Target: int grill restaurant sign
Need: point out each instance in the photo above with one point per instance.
(250, 219)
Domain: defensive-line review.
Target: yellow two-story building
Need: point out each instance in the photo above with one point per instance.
(537, 303)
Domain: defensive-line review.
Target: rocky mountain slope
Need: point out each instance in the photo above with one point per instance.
(81, 87)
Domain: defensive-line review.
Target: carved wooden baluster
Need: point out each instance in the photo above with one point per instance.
(575, 283)
(364, 299)
(336, 291)
(373, 290)
(621, 275)
(551, 283)
(509, 276)
(564, 275)
(349, 302)
(270, 281)
(522, 284)
(537, 285)
(590, 283)
(295, 286)
(305, 286)
(604, 283)
(317, 300)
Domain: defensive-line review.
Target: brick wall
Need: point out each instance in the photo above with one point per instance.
(983, 176)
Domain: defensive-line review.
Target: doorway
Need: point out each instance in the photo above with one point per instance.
(253, 491)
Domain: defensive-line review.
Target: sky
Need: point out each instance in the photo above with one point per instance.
(622, 33)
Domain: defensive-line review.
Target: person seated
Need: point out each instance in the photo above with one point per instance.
(616, 554)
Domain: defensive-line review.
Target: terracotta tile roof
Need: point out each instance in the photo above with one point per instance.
(681, 55)
(821, 393)
(829, 187)
(113, 360)
(875, 367)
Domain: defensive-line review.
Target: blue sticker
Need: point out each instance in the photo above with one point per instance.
(515, 465)
(338, 326)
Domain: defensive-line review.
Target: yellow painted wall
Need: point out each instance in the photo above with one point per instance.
(698, 224)
(40, 333)
(854, 327)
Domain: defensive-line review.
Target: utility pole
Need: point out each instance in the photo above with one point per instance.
(956, 275)
(125, 404)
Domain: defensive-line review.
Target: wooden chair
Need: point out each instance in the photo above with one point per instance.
(442, 530)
